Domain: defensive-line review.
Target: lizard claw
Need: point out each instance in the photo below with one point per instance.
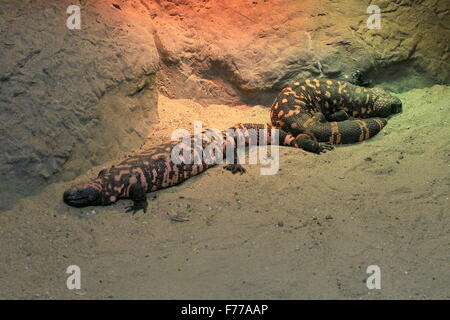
(137, 205)
(325, 146)
(235, 168)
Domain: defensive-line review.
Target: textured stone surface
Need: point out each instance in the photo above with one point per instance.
(73, 99)
(77, 96)
(237, 49)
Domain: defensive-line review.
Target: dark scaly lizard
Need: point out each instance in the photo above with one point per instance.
(154, 169)
(324, 110)
(311, 114)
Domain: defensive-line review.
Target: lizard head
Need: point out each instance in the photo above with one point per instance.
(386, 104)
(84, 194)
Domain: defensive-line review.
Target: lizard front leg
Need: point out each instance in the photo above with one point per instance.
(137, 194)
(338, 116)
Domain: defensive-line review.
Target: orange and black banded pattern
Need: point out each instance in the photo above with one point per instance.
(312, 114)
(332, 111)
(155, 169)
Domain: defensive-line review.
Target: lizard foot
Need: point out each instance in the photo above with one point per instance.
(235, 168)
(324, 147)
(137, 205)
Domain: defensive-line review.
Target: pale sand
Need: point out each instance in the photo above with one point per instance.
(309, 231)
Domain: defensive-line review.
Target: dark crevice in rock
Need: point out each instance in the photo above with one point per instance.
(399, 76)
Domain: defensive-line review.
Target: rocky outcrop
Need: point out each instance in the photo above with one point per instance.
(71, 99)
(233, 50)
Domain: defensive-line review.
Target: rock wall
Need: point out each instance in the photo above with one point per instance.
(232, 50)
(70, 99)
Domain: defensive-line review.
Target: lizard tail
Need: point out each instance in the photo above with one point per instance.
(348, 131)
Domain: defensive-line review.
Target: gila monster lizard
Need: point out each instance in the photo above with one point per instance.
(312, 114)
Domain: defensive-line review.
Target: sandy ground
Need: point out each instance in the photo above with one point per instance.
(309, 231)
